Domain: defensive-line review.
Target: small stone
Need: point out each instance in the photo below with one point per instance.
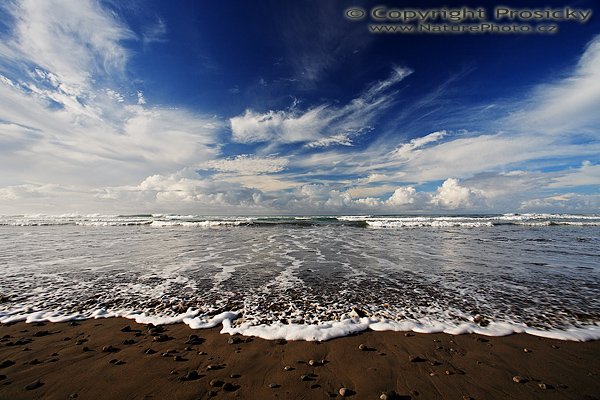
(273, 385)
(288, 368)
(281, 342)
(128, 341)
(109, 349)
(212, 367)
(415, 359)
(41, 333)
(305, 378)
(434, 363)
(150, 351)
(408, 334)
(312, 363)
(6, 363)
(468, 398)
(35, 361)
(85, 349)
(526, 350)
(211, 393)
(234, 340)
(230, 387)
(448, 372)
(362, 347)
(345, 392)
(432, 374)
(156, 330)
(202, 353)
(543, 386)
(216, 383)
(555, 347)
(192, 375)
(160, 338)
(80, 341)
(126, 329)
(519, 379)
(73, 396)
(315, 386)
(34, 385)
(188, 348)
(178, 358)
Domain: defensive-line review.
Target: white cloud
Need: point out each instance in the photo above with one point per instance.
(407, 149)
(568, 104)
(63, 121)
(451, 195)
(402, 196)
(319, 126)
(155, 33)
(587, 174)
(568, 202)
(73, 39)
(248, 164)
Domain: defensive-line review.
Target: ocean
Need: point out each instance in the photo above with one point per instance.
(309, 277)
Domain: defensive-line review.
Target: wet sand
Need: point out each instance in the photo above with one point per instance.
(102, 358)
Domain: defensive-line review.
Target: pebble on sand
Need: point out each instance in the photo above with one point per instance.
(161, 338)
(519, 379)
(6, 363)
(216, 383)
(362, 347)
(34, 385)
(192, 375)
(345, 392)
(416, 359)
(273, 385)
(109, 349)
(391, 395)
(288, 368)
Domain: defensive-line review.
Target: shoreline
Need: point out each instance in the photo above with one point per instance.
(101, 358)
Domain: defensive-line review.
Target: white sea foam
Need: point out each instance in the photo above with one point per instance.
(321, 331)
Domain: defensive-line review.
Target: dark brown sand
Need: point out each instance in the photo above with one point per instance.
(62, 361)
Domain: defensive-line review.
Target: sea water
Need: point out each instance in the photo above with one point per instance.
(309, 277)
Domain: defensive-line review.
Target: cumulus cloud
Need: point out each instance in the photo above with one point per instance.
(451, 195)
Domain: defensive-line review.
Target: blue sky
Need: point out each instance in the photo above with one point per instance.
(280, 107)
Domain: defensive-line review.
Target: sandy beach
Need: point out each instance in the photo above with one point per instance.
(118, 359)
